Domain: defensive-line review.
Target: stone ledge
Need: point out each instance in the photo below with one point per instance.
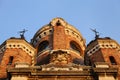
(38, 71)
(106, 70)
(65, 73)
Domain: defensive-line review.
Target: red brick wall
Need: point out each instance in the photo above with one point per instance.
(103, 55)
(18, 56)
(71, 38)
(59, 38)
(111, 52)
(97, 57)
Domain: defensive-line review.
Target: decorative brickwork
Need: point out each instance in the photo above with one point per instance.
(57, 51)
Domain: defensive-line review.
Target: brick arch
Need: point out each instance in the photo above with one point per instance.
(43, 45)
(75, 46)
(47, 38)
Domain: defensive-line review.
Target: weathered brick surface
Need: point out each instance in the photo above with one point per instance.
(71, 38)
(18, 56)
(111, 52)
(59, 38)
(103, 55)
(96, 57)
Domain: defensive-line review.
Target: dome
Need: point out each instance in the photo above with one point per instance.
(59, 42)
(47, 29)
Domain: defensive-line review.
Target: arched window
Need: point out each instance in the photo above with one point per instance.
(43, 45)
(112, 60)
(74, 46)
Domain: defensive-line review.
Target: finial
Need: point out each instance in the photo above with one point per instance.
(22, 33)
(96, 33)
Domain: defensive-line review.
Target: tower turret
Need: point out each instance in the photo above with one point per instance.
(103, 50)
(59, 43)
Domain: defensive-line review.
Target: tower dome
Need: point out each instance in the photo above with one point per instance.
(59, 42)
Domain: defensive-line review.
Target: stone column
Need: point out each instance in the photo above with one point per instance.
(19, 77)
(106, 77)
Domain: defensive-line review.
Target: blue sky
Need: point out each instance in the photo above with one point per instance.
(16, 15)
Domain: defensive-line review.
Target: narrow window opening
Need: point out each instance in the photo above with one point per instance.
(112, 60)
(10, 60)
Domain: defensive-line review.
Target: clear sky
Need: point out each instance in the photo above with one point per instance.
(16, 15)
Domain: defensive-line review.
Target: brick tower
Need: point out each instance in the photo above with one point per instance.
(103, 50)
(59, 43)
(14, 51)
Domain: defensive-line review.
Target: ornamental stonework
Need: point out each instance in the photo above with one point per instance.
(60, 57)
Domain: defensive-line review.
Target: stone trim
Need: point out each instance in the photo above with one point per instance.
(103, 45)
(101, 65)
(67, 51)
(63, 50)
(62, 69)
(93, 50)
(42, 35)
(74, 34)
(19, 44)
(55, 20)
(75, 52)
(80, 71)
(43, 52)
